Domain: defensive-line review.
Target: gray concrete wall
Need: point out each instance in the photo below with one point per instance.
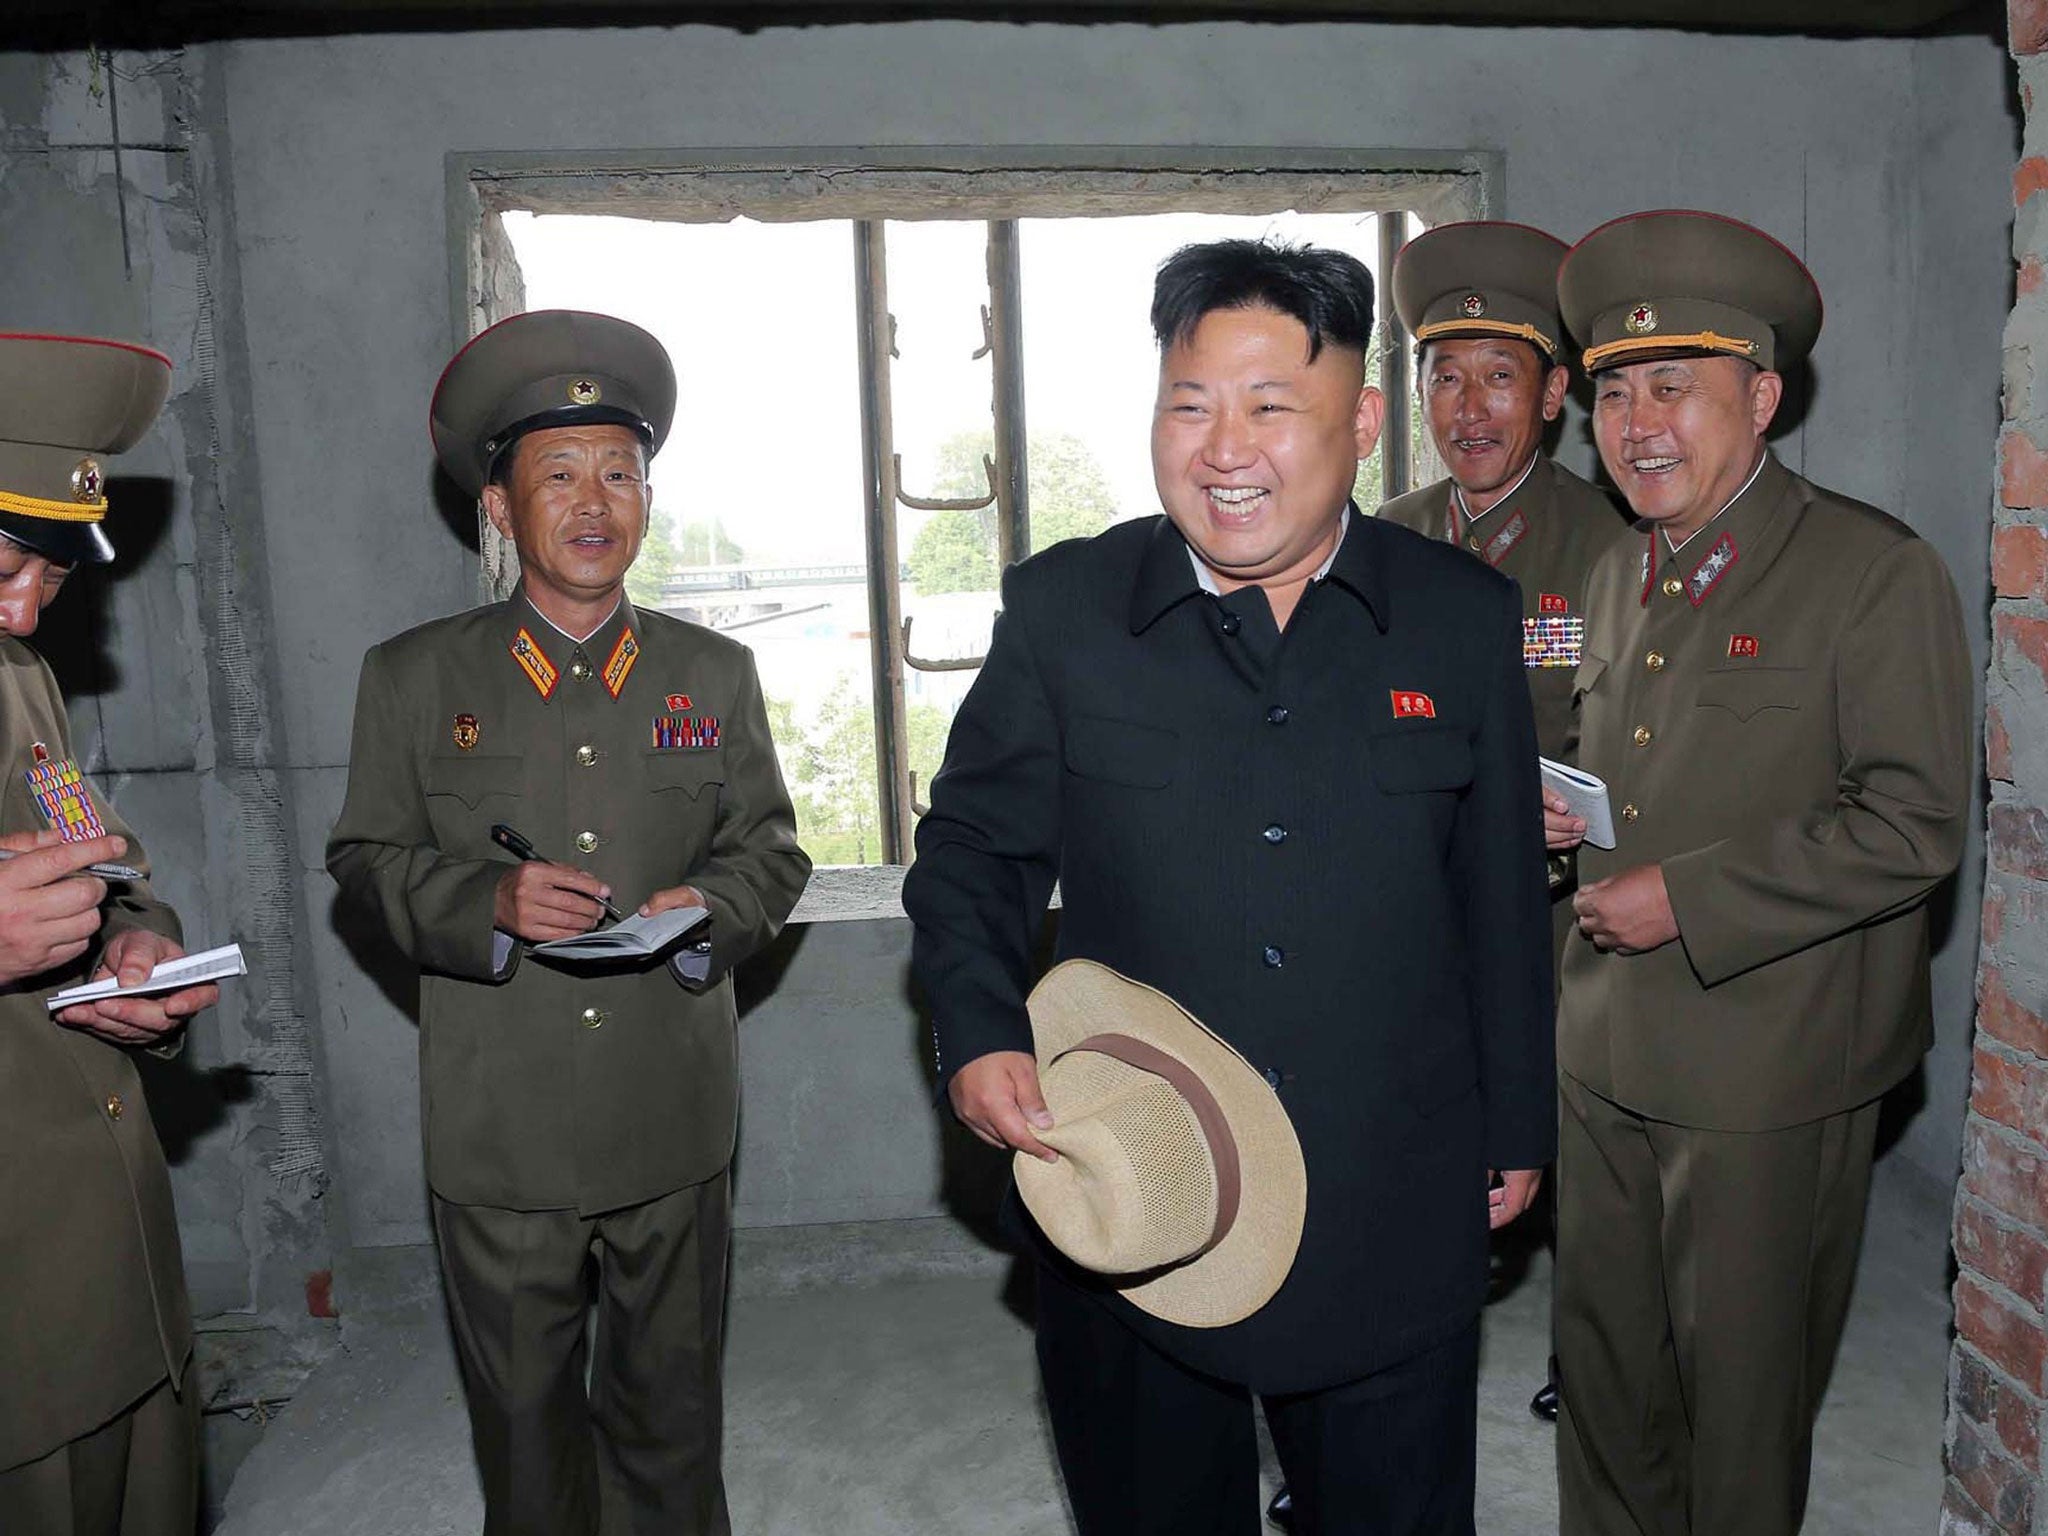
(1885, 163)
(168, 665)
(1956, 271)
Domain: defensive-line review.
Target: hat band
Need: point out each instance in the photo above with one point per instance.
(1186, 1082)
(1511, 328)
(1700, 341)
(53, 511)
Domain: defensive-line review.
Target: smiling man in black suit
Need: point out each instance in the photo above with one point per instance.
(1276, 756)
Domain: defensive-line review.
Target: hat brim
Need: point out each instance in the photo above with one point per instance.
(1080, 998)
(61, 542)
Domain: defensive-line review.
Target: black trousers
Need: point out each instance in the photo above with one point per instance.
(1149, 1447)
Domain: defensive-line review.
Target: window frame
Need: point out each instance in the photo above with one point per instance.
(996, 185)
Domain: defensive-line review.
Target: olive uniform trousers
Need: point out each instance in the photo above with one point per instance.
(648, 1427)
(1702, 1281)
(136, 1475)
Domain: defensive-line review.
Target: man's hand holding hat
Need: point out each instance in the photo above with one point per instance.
(998, 1098)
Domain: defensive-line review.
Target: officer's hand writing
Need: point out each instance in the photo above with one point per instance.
(49, 910)
(538, 901)
(996, 1096)
(129, 958)
(674, 896)
(1629, 912)
(1561, 830)
(1517, 1188)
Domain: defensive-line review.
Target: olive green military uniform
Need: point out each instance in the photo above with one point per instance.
(1780, 709)
(1491, 280)
(90, 1274)
(570, 1109)
(99, 1417)
(1546, 533)
(552, 1089)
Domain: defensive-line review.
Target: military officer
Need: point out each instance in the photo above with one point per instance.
(1776, 691)
(569, 1112)
(98, 1412)
(1480, 299)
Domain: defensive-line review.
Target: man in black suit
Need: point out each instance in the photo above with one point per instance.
(1280, 759)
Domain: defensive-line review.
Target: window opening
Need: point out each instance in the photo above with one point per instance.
(876, 415)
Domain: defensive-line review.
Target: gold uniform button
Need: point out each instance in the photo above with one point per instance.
(579, 669)
(1642, 736)
(1654, 661)
(1629, 812)
(586, 755)
(114, 1106)
(592, 1017)
(1673, 586)
(1472, 543)
(586, 842)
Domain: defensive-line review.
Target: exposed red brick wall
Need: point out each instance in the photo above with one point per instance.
(1998, 1372)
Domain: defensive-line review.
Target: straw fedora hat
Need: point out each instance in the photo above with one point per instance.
(1179, 1171)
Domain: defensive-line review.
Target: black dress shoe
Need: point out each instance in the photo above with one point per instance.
(1544, 1403)
(1280, 1513)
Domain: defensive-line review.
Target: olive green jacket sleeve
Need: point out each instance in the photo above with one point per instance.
(437, 909)
(756, 871)
(1896, 827)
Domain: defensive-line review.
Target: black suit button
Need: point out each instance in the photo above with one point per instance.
(1274, 956)
(1273, 1078)
(1232, 623)
(1275, 833)
(1277, 715)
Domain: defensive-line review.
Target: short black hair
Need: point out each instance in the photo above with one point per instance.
(1329, 292)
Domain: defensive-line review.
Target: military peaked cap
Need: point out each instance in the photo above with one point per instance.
(1481, 279)
(548, 368)
(63, 400)
(1680, 283)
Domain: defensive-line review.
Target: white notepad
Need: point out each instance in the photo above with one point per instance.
(1586, 794)
(636, 938)
(170, 976)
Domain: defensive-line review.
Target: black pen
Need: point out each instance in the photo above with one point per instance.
(522, 850)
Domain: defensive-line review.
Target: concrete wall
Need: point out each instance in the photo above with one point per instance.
(169, 666)
(1885, 163)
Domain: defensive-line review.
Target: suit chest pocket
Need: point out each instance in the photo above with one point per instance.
(1419, 761)
(1746, 692)
(1120, 752)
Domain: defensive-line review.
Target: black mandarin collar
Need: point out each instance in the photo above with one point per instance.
(1166, 572)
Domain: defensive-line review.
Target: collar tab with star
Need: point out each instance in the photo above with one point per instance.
(533, 661)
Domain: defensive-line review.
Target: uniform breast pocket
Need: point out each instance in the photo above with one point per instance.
(1747, 692)
(472, 780)
(1121, 752)
(1417, 761)
(1587, 677)
(465, 795)
(689, 771)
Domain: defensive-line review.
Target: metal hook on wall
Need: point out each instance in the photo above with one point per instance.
(947, 503)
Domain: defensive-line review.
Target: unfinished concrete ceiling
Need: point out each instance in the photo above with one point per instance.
(48, 21)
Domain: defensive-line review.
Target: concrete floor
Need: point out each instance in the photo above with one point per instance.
(910, 1406)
